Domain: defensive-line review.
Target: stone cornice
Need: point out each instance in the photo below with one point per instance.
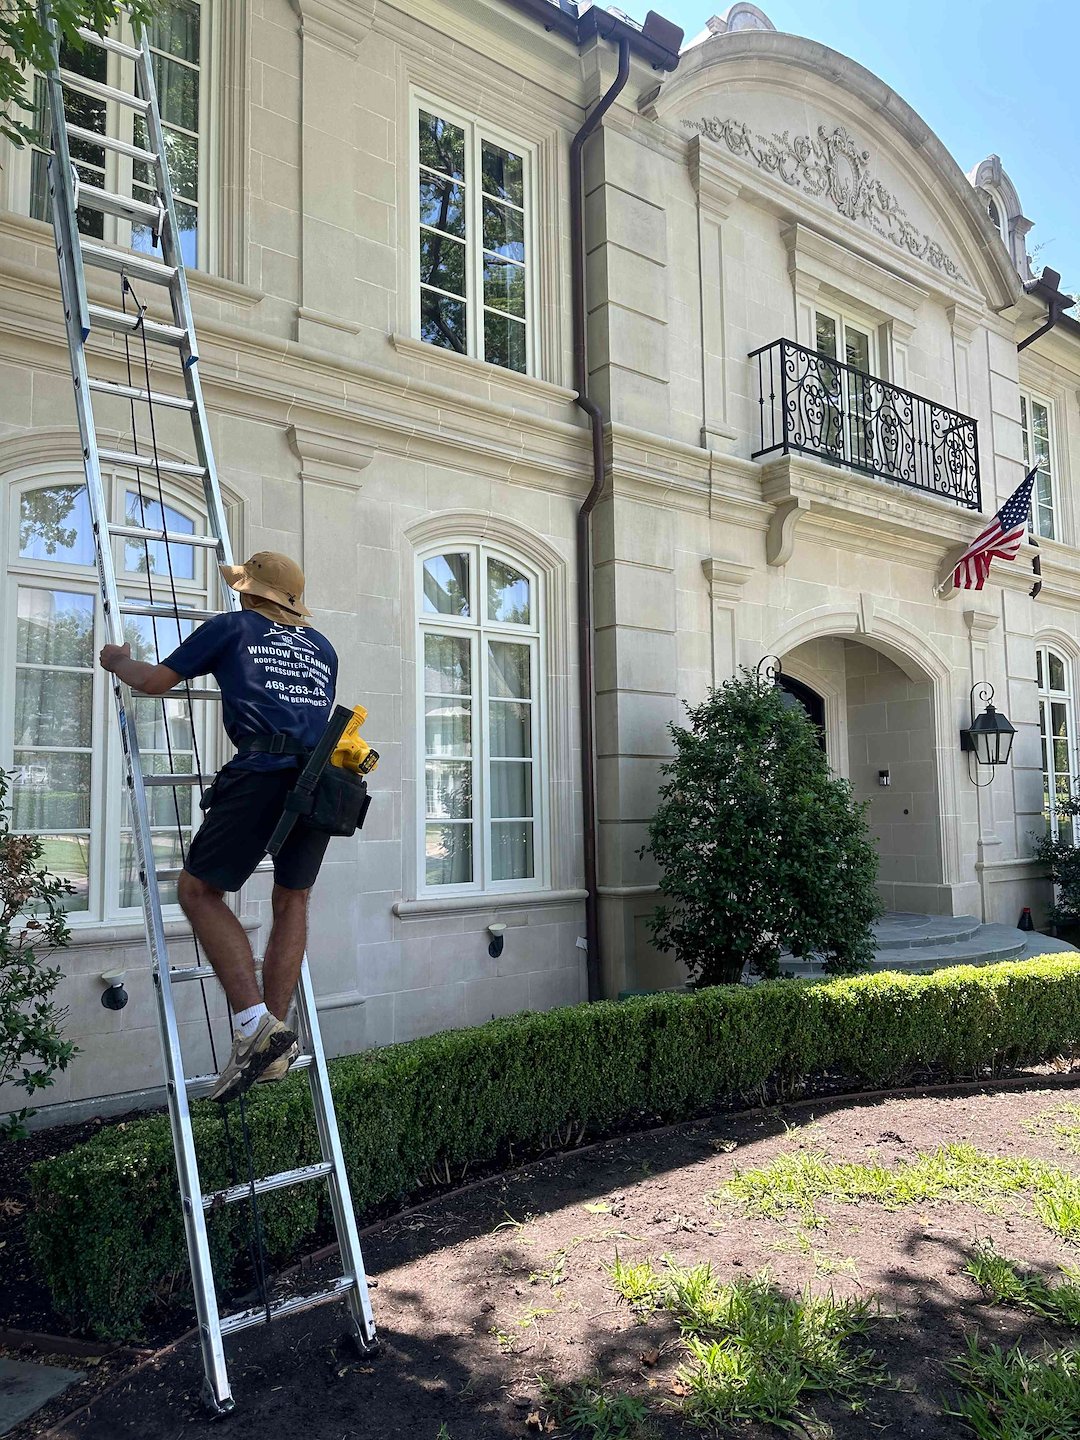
(340, 24)
(330, 457)
(717, 190)
(725, 578)
(813, 256)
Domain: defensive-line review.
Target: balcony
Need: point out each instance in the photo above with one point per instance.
(813, 405)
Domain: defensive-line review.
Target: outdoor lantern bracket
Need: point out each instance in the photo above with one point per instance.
(989, 737)
(769, 671)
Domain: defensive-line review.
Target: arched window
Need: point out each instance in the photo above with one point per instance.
(1057, 729)
(58, 735)
(480, 694)
(998, 214)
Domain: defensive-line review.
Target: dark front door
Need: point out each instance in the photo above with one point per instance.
(811, 702)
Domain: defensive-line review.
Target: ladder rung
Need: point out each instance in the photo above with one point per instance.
(110, 142)
(102, 92)
(166, 537)
(106, 42)
(178, 693)
(168, 612)
(199, 1086)
(127, 262)
(284, 1178)
(171, 872)
(176, 781)
(148, 462)
(129, 324)
(245, 1319)
(153, 397)
(91, 197)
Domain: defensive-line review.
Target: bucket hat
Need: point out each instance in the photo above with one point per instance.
(274, 583)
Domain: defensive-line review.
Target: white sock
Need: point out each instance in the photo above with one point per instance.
(247, 1021)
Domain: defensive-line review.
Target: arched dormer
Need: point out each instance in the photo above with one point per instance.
(821, 133)
(998, 196)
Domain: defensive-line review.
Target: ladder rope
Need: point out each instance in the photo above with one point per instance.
(256, 1246)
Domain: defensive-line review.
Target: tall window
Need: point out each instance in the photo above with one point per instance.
(1037, 424)
(846, 424)
(57, 729)
(474, 272)
(480, 696)
(1058, 733)
(178, 43)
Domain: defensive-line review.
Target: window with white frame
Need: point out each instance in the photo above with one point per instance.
(179, 43)
(474, 263)
(58, 737)
(1057, 730)
(1037, 426)
(480, 695)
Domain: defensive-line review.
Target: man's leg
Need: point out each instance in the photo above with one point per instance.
(222, 936)
(285, 949)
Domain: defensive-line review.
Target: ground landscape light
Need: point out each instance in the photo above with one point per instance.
(990, 735)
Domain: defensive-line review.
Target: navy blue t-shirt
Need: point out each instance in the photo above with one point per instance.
(275, 679)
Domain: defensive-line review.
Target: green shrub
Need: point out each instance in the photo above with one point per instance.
(106, 1230)
(760, 848)
(32, 929)
(1062, 859)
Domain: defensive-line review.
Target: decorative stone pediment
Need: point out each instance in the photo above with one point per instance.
(831, 165)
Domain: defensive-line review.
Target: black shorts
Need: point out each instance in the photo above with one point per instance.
(244, 808)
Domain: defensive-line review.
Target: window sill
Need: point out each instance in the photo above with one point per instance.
(479, 369)
(124, 934)
(475, 904)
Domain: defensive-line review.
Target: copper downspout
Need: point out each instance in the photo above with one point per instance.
(584, 535)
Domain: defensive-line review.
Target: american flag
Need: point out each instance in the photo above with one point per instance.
(1001, 540)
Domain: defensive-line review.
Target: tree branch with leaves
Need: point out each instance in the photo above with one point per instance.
(26, 45)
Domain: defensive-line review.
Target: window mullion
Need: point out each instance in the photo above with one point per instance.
(474, 245)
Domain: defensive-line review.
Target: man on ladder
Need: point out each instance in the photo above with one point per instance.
(277, 679)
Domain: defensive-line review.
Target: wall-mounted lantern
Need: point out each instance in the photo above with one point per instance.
(769, 671)
(989, 737)
(884, 778)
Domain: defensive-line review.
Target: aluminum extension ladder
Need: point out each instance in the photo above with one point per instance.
(75, 252)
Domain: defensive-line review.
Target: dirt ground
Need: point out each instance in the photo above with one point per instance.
(482, 1295)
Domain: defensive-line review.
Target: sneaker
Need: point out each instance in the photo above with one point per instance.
(251, 1056)
(279, 1068)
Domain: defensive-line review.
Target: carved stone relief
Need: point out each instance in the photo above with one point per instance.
(830, 165)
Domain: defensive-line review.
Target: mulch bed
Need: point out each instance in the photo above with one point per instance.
(466, 1329)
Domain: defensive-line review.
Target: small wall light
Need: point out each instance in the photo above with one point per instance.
(495, 948)
(989, 737)
(114, 996)
(883, 777)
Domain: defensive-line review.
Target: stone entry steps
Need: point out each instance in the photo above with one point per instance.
(931, 942)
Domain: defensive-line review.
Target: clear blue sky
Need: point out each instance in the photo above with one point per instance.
(986, 77)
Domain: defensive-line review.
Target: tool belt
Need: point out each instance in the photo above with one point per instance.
(333, 802)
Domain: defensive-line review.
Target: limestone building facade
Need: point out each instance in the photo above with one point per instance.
(802, 323)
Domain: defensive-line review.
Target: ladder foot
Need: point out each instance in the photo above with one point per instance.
(214, 1407)
(353, 1340)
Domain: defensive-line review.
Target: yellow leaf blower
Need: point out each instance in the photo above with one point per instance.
(353, 752)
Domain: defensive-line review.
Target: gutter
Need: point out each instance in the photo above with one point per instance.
(657, 41)
(1047, 287)
(584, 529)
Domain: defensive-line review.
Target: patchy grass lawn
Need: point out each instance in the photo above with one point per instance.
(904, 1267)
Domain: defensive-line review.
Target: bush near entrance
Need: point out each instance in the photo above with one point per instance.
(106, 1229)
(761, 849)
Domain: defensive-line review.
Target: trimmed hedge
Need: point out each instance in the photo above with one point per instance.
(106, 1229)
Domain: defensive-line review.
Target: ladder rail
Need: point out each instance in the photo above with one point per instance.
(73, 289)
(330, 1144)
(181, 299)
(80, 317)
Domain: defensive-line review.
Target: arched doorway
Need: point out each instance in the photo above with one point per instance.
(878, 728)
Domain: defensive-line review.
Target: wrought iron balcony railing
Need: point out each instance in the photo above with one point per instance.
(814, 405)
